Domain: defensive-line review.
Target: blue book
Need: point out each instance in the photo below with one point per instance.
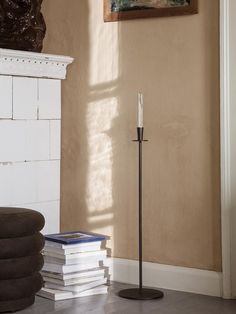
(75, 237)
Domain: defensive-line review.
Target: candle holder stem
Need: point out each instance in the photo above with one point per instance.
(140, 140)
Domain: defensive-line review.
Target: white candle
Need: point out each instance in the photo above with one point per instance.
(140, 110)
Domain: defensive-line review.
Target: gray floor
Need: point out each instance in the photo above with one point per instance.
(173, 303)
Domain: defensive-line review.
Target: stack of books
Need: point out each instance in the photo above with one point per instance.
(74, 266)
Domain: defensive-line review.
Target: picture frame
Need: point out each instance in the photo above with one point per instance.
(118, 10)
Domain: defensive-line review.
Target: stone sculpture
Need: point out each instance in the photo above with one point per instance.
(22, 26)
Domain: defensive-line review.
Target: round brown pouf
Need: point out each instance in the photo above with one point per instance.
(16, 305)
(20, 247)
(20, 257)
(19, 222)
(14, 268)
(16, 289)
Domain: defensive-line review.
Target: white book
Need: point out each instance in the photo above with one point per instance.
(76, 258)
(93, 246)
(82, 245)
(58, 295)
(65, 269)
(80, 274)
(73, 281)
(77, 288)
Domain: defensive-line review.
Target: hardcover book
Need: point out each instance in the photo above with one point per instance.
(71, 282)
(71, 248)
(58, 295)
(77, 258)
(77, 288)
(80, 274)
(65, 269)
(75, 237)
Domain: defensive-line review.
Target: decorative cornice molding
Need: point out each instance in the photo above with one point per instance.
(24, 63)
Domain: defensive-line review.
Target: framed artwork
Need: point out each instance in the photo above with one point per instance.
(116, 10)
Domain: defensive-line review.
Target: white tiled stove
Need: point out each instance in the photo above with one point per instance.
(30, 120)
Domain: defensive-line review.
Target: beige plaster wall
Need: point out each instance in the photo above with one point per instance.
(174, 62)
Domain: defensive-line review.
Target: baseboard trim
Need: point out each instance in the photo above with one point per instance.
(167, 277)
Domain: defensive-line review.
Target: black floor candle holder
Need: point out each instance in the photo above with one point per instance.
(140, 293)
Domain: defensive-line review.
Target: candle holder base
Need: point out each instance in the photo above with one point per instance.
(141, 294)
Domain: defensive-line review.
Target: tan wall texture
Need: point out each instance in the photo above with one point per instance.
(174, 62)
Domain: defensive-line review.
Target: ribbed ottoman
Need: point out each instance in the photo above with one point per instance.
(20, 259)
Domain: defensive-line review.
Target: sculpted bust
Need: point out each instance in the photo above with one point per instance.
(22, 25)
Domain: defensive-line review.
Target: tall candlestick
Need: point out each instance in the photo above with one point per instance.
(141, 292)
(140, 110)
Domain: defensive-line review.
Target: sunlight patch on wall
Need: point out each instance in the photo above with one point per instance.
(100, 115)
(104, 52)
(102, 109)
(101, 218)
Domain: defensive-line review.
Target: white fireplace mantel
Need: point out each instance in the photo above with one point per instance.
(30, 132)
(23, 63)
